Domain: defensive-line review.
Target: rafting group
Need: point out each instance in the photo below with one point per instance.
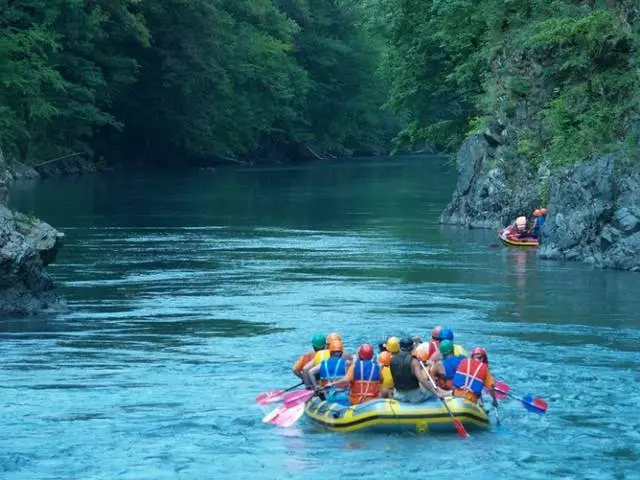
(407, 370)
(522, 232)
(431, 385)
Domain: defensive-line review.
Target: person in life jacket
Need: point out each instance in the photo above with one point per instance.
(520, 226)
(430, 346)
(409, 379)
(364, 376)
(330, 372)
(473, 375)
(444, 370)
(318, 342)
(447, 334)
(538, 220)
(319, 357)
(384, 359)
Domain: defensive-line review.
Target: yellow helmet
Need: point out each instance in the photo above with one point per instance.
(393, 345)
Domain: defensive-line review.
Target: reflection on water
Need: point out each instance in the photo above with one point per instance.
(191, 294)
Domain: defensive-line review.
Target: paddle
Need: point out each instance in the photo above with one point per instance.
(294, 398)
(274, 395)
(289, 416)
(529, 402)
(500, 388)
(459, 427)
(269, 417)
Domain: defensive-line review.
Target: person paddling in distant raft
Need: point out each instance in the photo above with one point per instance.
(521, 227)
(539, 218)
(331, 371)
(409, 380)
(473, 375)
(384, 359)
(318, 342)
(364, 376)
(444, 370)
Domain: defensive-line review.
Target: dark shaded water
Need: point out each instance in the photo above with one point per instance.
(192, 293)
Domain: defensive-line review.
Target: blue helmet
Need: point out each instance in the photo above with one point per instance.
(446, 334)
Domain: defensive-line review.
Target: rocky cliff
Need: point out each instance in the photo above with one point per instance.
(594, 207)
(27, 246)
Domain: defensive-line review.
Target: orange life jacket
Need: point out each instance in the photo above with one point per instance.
(366, 381)
(470, 378)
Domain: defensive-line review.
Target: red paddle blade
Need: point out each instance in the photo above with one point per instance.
(501, 389)
(295, 398)
(269, 397)
(534, 404)
(460, 428)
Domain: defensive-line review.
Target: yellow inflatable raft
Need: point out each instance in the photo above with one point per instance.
(510, 238)
(385, 415)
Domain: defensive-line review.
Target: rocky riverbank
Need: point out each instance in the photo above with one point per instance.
(27, 246)
(594, 207)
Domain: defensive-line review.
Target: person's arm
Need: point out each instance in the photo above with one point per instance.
(311, 376)
(346, 380)
(491, 384)
(298, 366)
(420, 372)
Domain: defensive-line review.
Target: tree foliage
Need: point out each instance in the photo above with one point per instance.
(564, 73)
(180, 80)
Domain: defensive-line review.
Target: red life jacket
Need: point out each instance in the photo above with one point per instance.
(366, 381)
(470, 376)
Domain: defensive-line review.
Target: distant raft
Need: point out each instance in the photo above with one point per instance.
(509, 237)
(385, 415)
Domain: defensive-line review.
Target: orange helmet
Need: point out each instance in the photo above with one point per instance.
(537, 213)
(335, 346)
(543, 212)
(384, 359)
(333, 336)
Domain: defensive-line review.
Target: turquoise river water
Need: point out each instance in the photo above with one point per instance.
(191, 293)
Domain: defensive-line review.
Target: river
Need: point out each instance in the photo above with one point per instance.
(190, 293)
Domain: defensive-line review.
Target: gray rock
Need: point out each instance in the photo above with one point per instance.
(27, 245)
(597, 220)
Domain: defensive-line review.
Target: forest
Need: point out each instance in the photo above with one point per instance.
(180, 82)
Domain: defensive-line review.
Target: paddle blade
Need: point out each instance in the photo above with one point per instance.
(269, 417)
(501, 389)
(289, 416)
(534, 404)
(295, 398)
(460, 428)
(269, 397)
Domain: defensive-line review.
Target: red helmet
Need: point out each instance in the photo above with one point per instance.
(435, 333)
(365, 352)
(481, 353)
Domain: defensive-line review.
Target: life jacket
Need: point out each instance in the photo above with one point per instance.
(450, 364)
(387, 378)
(332, 369)
(366, 381)
(321, 356)
(470, 376)
(403, 377)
